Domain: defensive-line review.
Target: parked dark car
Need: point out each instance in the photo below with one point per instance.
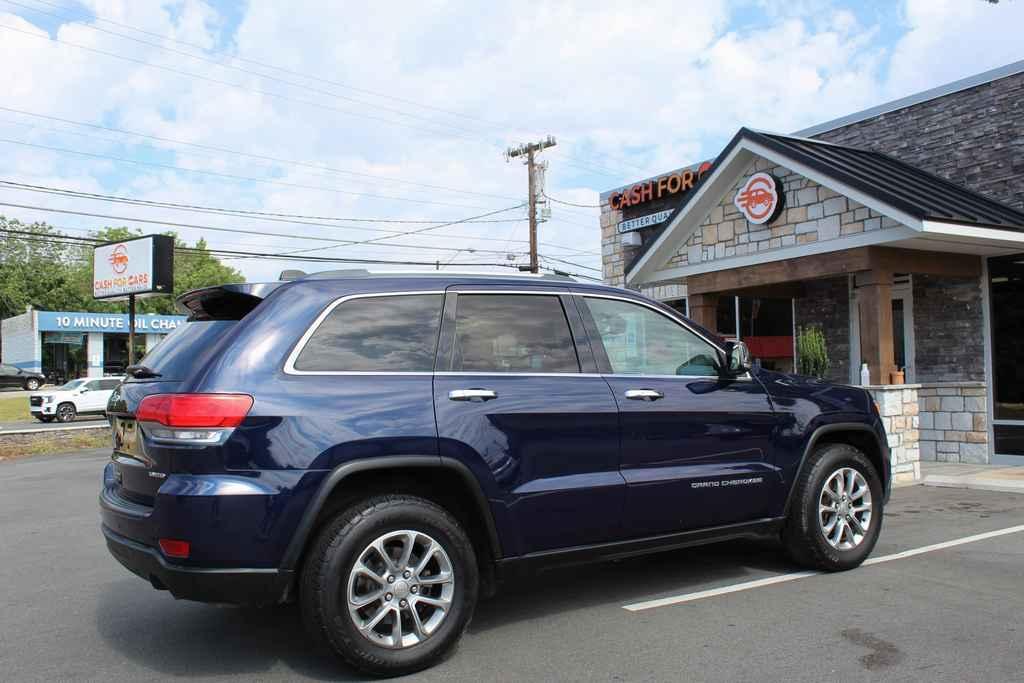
(11, 376)
(386, 449)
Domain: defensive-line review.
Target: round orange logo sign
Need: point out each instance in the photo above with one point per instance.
(760, 198)
(119, 259)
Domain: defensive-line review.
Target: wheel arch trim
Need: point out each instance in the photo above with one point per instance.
(337, 476)
(831, 428)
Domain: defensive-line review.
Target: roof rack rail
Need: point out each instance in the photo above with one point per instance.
(363, 273)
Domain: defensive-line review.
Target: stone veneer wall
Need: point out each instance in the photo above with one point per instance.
(613, 255)
(898, 404)
(948, 319)
(941, 421)
(812, 213)
(826, 304)
(954, 422)
(971, 137)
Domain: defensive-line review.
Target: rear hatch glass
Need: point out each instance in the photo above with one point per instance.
(184, 349)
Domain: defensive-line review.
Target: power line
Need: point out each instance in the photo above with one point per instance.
(233, 67)
(333, 240)
(449, 112)
(227, 150)
(235, 177)
(569, 263)
(268, 216)
(473, 134)
(380, 240)
(562, 201)
(285, 70)
(236, 213)
(69, 240)
(258, 91)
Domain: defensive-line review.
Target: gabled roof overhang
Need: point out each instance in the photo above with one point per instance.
(967, 218)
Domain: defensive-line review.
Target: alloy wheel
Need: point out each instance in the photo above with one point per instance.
(400, 589)
(65, 413)
(844, 509)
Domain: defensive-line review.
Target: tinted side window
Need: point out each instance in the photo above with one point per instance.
(512, 333)
(640, 341)
(376, 334)
(94, 385)
(109, 384)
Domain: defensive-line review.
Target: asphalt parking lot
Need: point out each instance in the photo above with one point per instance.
(954, 612)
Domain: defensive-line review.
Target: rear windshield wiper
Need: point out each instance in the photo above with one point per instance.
(141, 372)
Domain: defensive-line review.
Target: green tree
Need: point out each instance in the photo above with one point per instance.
(44, 268)
(37, 269)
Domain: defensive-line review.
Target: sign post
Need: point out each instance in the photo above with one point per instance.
(142, 266)
(131, 329)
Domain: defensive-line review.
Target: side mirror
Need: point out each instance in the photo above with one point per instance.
(737, 358)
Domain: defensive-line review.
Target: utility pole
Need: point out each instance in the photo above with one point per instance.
(530, 150)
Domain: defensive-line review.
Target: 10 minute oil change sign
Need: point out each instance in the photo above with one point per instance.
(141, 266)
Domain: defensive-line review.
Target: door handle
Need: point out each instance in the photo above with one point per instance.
(472, 395)
(643, 394)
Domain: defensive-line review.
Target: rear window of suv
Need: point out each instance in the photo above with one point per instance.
(380, 334)
(186, 348)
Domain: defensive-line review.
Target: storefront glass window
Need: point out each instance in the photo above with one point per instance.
(1006, 279)
(766, 325)
(64, 355)
(115, 352)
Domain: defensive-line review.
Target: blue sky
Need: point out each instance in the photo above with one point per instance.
(401, 111)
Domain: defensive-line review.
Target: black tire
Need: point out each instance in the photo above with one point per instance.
(44, 418)
(324, 581)
(66, 412)
(31, 384)
(803, 534)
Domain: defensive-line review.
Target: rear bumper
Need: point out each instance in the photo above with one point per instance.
(235, 586)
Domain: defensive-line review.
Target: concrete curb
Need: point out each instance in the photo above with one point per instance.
(46, 430)
(977, 483)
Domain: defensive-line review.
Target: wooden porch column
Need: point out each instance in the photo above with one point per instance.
(874, 292)
(703, 310)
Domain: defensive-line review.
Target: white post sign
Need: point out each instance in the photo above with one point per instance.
(135, 266)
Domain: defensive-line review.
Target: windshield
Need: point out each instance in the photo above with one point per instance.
(73, 384)
(184, 349)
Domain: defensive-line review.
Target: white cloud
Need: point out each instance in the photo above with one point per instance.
(637, 90)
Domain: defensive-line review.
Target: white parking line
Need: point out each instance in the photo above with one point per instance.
(784, 578)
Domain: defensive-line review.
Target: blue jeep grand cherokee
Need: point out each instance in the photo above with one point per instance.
(385, 448)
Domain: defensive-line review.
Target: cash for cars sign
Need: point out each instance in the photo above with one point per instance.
(143, 266)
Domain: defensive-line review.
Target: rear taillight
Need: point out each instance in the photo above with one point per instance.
(172, 547)
(192, 418)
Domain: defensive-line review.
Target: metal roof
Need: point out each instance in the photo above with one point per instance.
(891, 181)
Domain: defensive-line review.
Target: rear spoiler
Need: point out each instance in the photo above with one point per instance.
(224, 302)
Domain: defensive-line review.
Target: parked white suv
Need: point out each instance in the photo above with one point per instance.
(77, 397)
